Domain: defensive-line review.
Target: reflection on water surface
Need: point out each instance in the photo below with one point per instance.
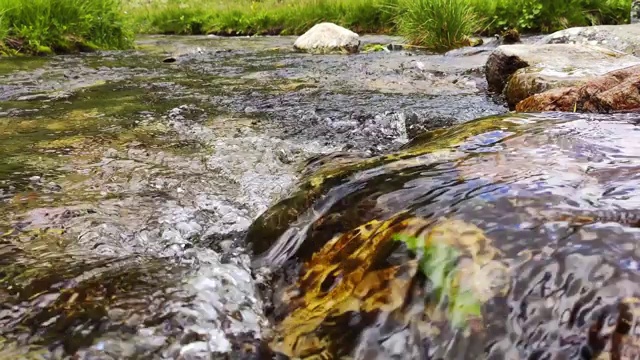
(539, 211)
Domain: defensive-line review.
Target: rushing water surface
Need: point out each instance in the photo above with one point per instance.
(227, 198)
(127, 182)
(522, 244)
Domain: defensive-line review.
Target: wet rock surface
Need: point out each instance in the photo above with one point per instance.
(624, 38)
(519, 71)
(511, 237)
(127, 183)
(617, 91)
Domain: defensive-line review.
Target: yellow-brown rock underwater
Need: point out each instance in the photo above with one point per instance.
(505, 237)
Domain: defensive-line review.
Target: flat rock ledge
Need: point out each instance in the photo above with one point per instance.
(617, 91)
(624, 38)
(520, 71)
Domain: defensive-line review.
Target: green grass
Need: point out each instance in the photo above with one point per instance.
(445, 24)
(266, 17)
(435, 24)
(549, 15)
(45, 26)
(439, 25)
(4, 26)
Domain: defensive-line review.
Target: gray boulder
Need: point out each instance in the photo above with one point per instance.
(326, 38)
(625, 38)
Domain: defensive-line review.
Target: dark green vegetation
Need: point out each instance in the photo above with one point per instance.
(46, 26)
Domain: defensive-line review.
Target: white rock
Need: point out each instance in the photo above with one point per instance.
(327, 38)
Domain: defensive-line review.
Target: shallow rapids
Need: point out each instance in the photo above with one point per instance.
(127, 183)
(511, 237)
(246, 202)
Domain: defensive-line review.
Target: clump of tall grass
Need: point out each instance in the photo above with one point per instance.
(46, 26)
(438, 25)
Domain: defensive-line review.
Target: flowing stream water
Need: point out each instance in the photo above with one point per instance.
(161, 204)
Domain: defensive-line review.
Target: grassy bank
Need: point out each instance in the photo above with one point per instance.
(46, 26)
(264, 17)
(42, 26)
(437, 24)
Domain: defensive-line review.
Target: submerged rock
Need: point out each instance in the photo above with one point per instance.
(328, 38)
(416, 124)
(615, 91)
(520, 71)
(625, 38)
(511, 36)
(136, 250)
(484, 240)
(339, 284)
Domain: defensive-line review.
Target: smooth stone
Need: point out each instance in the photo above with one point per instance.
(328, 38)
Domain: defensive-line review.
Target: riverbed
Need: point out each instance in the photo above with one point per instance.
(129, 180)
